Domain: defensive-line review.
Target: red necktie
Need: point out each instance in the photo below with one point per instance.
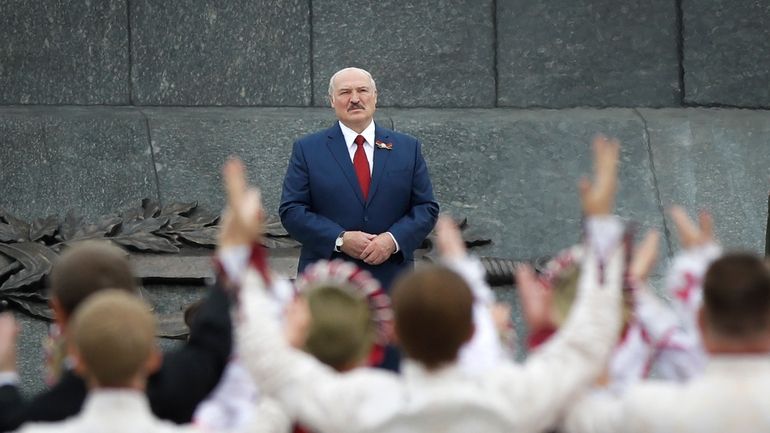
(361, 165)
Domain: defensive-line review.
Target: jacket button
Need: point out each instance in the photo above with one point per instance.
(366, 219)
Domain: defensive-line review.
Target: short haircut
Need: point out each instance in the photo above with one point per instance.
(341, 330)
(114, 334)
(365, 72)
(433, 310)
(736, 291)
(88, 267)
(191, 313)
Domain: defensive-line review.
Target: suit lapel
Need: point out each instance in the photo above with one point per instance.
(380, 160)
(339, 150)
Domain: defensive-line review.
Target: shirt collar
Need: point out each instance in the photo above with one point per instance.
(350, 135)
(414, 371)
(108, 400)
(738, 364)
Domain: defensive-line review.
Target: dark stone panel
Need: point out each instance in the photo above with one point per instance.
(428, 53)
(30, 357)
(727, 52)
(514, 174)
(716, 160)
(191, 145)
(95, 161)
(54, 52)
(240, 52)
(601, 53)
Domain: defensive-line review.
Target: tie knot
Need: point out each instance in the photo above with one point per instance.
(359, 140)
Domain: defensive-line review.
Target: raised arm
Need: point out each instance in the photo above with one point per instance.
(190, 373)
(484, 350)
(307, 390)
(684, 281)
(676, 349)
(577, 354)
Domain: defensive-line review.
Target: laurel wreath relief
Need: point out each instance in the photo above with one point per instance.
(29, 249)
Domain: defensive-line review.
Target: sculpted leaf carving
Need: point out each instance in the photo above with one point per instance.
(203, 236)
(43, 227)
(35, 309)
(36, 261)
(141, 234)
(12, 229)
(27, 251)
(9, 233)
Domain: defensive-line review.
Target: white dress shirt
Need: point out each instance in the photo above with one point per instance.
(368, 134)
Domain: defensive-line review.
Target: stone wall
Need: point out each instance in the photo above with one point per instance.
(105, 103)
(430, 53)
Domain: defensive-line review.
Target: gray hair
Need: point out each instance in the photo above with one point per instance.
(363, 71)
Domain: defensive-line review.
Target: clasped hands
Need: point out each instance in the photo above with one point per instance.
(372, 249)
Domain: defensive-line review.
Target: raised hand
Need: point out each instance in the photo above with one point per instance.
(645, 256)
(536, 300)
(242, 222)
(691, 235)
(449, 240)
(598, 198)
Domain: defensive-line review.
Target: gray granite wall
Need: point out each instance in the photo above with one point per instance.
(511, 172)
(103, 103)
(431, 53)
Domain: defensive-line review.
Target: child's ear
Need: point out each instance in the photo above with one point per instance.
(79, 366)
(154, 361)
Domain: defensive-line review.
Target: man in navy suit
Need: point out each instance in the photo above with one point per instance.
(358, 191)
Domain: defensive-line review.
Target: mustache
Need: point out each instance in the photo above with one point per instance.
(355, 106)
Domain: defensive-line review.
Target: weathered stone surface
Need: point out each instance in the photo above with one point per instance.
(30, 357)
(428, 53)
(191, 145)
(95, 161)
(55, 52)
(727, 52)
(239, 52)
(513, 173)
(716, 160)
(587, 53)
(198, 267)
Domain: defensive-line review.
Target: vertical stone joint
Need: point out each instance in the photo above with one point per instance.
(130, 59)
(152, 155)
(680, 48)
(311, 60)
(656, 185)
(494, 52)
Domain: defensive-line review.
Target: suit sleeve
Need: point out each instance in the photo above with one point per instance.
(316, 232)
(189, 374)
(411, 229)
(576, 355)
(61, 401)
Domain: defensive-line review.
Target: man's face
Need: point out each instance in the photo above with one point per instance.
(354, 99)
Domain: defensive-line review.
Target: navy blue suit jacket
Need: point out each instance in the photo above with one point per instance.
(321, 198)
